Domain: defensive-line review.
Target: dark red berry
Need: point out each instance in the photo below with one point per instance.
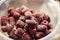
(26, 37)
(24, 8)
(39, 16)
(19, 10)
(12, 34)
(16, 15)
(20, 24)
(11, 20)
(4, 28)
(19, 31)
(33, 18)
(31, 23)
(3, 20)
(32, 32)
(22, 18)
(44, 22)
(49, 26)
(48, 31)
(42, 28)
(39, 35)
(3, 23)
(46, 17)
(28, 15)
(11, 11)
(10, 27)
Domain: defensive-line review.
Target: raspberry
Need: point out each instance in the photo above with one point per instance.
(4, 28)
(39, 35)
(42, 28)
(49, 26)
(3, 20)
(12, 34)
(19, 31)
(11, 20)
(31, 23)
(28, 15)
(26, 37)
(16, 15)
(32, 32)
(44, 22)
(11, 11)
(46, 17)
(9, 28)
(22, 18)
(20, 24)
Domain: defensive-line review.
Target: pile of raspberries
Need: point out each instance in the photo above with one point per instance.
(23, 23)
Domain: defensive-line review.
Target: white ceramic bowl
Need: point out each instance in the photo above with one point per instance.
(49, 7)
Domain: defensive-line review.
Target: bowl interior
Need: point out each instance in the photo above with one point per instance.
(35, 5)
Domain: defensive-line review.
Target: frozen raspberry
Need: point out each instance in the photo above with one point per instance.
(3, 23)
(28, 15)
(20, 24)
(39, 16)
(48, 31)
(44, 22)
(4, 28)
(10, 27)
(24, 8)
(12, 34)
(26, 37)
(19, 10)
(31, 23)
(16, 15)
(33, 18)
(39, 35)
(11, 20)
(22, 18)
(32, 32)
(19, 31)
(49, 26)
(46, 17)
(3, 20)
(4, 17)
(42, 28)
(11, 11)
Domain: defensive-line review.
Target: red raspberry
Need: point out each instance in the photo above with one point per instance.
(39, 35)
(4, 28)
(32, 32)
(42, 28)
(20, 24)
(33, 18)
(19, 31)
(44, 22)
(11, 20)
(49, 26)
(9, 28)
(31, 23)
(46, 17)
(22, 18)
(26, 37)
(3, 20)
(12, 34)
(39, 16)
(28, 15)
(16, 15)
(11, 11)
(3, 23)
(24, 8)
(19, 10)
(48, 31)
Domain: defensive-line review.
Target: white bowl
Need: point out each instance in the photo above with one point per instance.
(49, 7)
